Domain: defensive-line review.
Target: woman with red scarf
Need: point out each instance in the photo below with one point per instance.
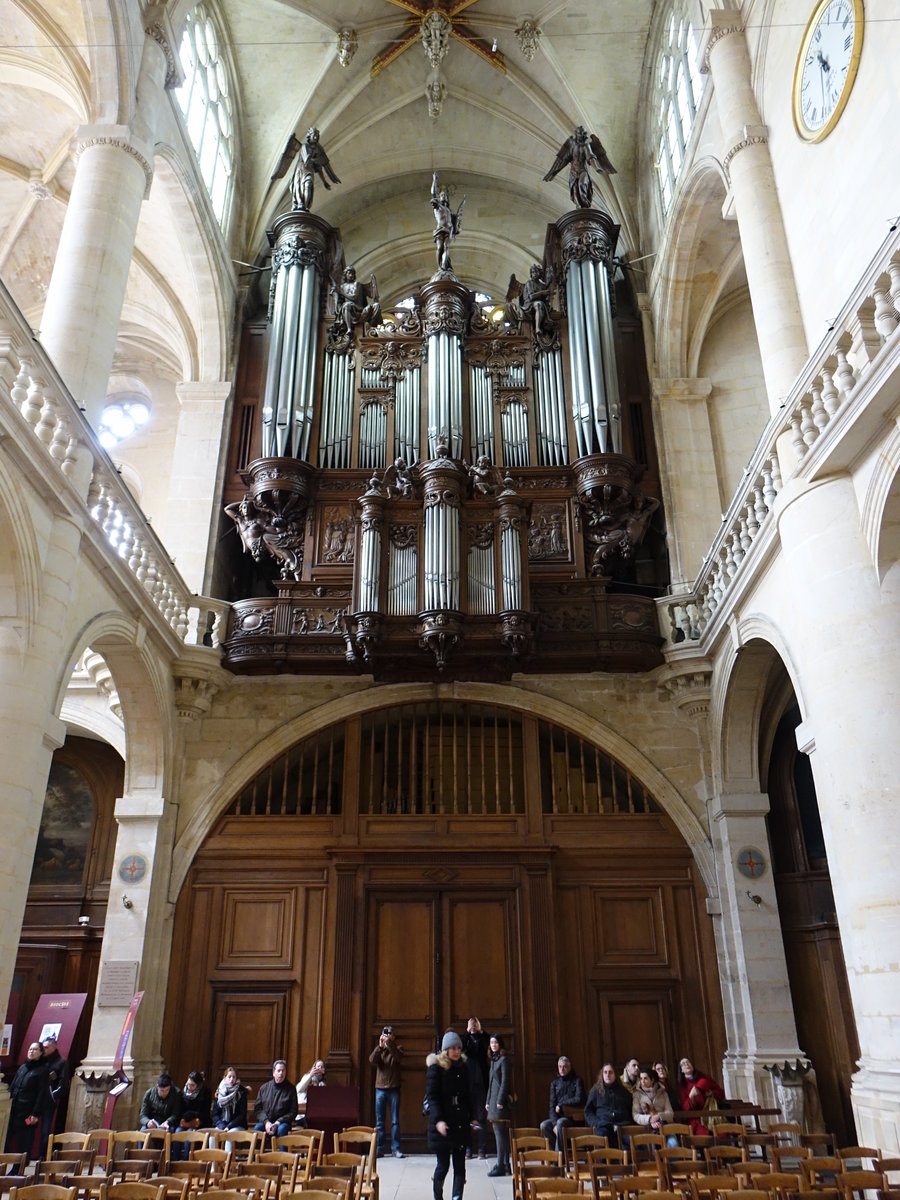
(697, 1090)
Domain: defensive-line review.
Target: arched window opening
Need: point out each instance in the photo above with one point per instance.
(206, 102)
(679, 85)
(443, 759)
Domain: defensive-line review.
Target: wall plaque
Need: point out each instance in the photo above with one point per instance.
(118, 980)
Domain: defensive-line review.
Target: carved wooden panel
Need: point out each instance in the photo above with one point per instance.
(257, 929)
(628, 929)
(636, 1021)
(479, 960)
(246, 1025)
(401, 929)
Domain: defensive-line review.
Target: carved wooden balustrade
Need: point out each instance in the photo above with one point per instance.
(38, 412)
(829, 405)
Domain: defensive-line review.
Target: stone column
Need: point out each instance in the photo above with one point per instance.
(138, 930)
(748, 165)
(756, 994)
(687, 463)
(844, 640)
(29, 733)
(197, 465)
(80, 322)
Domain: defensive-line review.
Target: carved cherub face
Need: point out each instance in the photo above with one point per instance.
(535, 271)
(312, 135)
(580, 134)
(350, 274)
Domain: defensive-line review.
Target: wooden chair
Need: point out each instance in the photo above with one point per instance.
(745, 1172)
(274, 1172)
(568, 1134)
(786, 1133)
(627, 1186)
(526, 1162)
(678, 1130)
(819, 1143)
(133, 1191)
(127, 1170)
(790, 1158)
(242, 1143)
(707, 1187)
(9, 1183)
(579, 1150)
(757, 1144)
(69, 1141)
(778, 1183)
(257, 1186)
(320, 1172)
(176, 1186)
(526, 1131)
(667, 1163)
(744, 1194)
(158, 1139)
(363, 1140)
(604, 1166)
(859, 1154)
(328, 1186)
(852, 1184)
(720, 1158)
(889, 1167)
(197, 1174)
(344, 1159)
(288, 1164)
(88, 1187)
(219, 1163)
(820, 1172)
(13, 1164)
(194, 1139)
(642, 1151)
(124, 1141)
(56, 1170)
(307, 1144)
(547, 1189)
(101, 1141)
(43, 1191)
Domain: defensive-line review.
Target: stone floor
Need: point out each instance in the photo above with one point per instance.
(410, 1179)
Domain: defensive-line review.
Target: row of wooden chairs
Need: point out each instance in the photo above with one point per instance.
(163, 1189)
(850, 1185)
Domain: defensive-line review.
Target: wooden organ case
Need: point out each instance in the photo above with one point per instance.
(454, 493)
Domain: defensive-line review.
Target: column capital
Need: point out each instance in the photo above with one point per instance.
(158, 26)
(202, 394)
(87, 137)
(720, 23)
(751, 135)
(140, 808)
(686, 390)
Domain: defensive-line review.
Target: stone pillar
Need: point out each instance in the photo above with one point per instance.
(756, 995)
(80, 322)
(844, 640)
(687, 463)
(197, 465)
(29, 733)
(138, 930)
(748, 165)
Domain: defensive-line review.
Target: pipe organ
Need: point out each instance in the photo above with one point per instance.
(447, 493)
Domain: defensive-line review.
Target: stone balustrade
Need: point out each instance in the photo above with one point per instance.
(31, 391)
(822, 400)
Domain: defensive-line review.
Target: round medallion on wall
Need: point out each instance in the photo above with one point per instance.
(751, 862)
(826, 66)
(133, 868)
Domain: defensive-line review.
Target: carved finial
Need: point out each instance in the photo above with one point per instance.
(528, 34)
(347, 43)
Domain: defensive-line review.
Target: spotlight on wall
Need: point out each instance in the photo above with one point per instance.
(84, 921)
(757, 900)
(126, 903)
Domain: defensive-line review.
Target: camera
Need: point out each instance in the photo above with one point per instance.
(388, 1031)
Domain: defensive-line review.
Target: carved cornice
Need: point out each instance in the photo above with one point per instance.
(721, 23)
(88, 141)
(754, 135)
(690, 691)
(158, 26)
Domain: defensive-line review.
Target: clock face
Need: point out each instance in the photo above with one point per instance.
(826, 66)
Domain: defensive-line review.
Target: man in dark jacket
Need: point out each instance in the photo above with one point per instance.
(58, 1084)
(476, 1049)
(161, 1105)
(29, 1100)
(567, 1089)
(276, 1103)
(448, 1098)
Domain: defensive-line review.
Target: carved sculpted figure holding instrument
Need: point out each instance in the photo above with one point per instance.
(447, 223)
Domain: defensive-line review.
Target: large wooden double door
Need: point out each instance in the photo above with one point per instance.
(434, 959)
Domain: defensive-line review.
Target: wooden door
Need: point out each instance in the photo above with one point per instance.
(435, 958)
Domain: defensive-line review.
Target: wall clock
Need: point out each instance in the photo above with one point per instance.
(826, 66)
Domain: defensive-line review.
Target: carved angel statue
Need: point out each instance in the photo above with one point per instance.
(486, 479)
(397, 479)
(579, 152)
(312, 161)
(530, 301)
(355, 302)
(447, 223)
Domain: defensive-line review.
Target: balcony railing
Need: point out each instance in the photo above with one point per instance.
(828, 397)
(37, 409)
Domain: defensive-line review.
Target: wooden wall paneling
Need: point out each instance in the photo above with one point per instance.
(246, 1024)
(341, 1054)
(699, 1021)
(542, 1015)
(629, 930)
(257, 928)
(634, 1021)
(310, 1034)
(479, 959)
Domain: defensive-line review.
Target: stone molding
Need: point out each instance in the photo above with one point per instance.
(721, 23)
(690, 691)
(686, 390)
(753, 135)
(118, 136)
(158, 26)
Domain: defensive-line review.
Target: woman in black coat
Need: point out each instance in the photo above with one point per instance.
(448, 1096)
(29, 1095)
(608, 1105)
(498, 1109)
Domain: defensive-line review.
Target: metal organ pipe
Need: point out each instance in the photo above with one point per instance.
(581, 409)
(604, 283)
(596, 380)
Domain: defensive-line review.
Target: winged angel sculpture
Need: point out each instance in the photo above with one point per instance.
(580, 152)
(312, 161)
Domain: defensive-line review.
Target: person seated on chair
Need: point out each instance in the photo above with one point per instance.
(631, 1073)
(230, 1103)
(608, 1105)
(276, 1104)
(189, 1119)
(650, 1104)
(196, 1096)
(161, 1105)
(697, 1089)
(566, 1090)
(314, 1077)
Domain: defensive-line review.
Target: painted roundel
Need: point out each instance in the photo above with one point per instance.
(133, 868)
(751, 862)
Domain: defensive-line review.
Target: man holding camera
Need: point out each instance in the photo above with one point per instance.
(386, 1059)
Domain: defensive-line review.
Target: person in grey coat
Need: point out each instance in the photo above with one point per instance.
(498, 1107)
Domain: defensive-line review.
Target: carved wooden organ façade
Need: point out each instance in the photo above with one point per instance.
(454, 496)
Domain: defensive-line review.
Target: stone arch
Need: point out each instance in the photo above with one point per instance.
(210, 808)
(697, 212)
(880, 517)
(20, 562)
(738, 694)
(109, 36)
(143, 687)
